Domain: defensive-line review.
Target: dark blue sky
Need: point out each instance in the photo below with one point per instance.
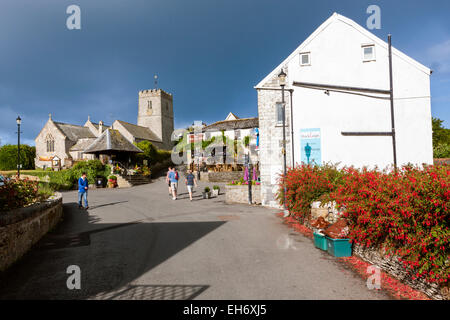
(208, 53)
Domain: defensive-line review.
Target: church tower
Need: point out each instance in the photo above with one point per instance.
(156, 113)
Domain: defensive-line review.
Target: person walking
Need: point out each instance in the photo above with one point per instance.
(190, 182)
(83, 191)
(173, 183)
(168, 181)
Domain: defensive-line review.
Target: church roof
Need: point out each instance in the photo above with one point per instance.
(82, 144)
(96, 125)
(139, 131)
(74, 132)
(111, 141)
(246, 123)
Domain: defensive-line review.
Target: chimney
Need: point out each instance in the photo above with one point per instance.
(100, 127)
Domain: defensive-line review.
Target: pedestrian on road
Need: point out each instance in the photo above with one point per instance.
(83, 190)
(173, 183)
(190, 182)
(168, 180)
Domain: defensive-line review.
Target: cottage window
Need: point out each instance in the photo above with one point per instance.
(50, 143)
(368, 53)
(305, 59)
(279, 113)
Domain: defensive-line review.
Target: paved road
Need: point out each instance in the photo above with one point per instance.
(137, 243)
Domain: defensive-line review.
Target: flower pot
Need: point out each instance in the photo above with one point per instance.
(215, 192)
(206, 195)
(339, 247)
(320, 241)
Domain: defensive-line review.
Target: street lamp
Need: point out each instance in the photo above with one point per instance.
(282, 83)
(19, 121)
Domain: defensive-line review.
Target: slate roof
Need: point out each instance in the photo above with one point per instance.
(74, 132)
(82, 144)
(246, 123)
(111, 141)
(96, 125)
(139, 131)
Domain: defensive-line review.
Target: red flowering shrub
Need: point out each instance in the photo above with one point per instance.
(405, 212)
(15, 194)
(305, 184)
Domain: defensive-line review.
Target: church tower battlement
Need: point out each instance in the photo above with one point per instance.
(156, 113)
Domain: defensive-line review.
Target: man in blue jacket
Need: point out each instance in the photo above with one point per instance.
(83, 190)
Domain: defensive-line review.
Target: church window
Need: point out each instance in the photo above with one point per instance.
(50, 143)
(149, 105)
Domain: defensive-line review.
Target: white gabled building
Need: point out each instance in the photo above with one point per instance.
(327, 78)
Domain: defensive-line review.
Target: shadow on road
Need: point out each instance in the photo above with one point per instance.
(110, 257)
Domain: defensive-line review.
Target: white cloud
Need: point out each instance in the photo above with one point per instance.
(439, 56)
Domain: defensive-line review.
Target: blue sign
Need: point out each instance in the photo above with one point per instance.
(310, 146)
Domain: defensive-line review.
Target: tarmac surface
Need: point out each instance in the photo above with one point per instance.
(138, 243)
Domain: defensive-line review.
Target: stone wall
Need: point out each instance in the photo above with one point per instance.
(392, 266)
(226, 176)
(239, 194)
(20, 229)
(271, 138)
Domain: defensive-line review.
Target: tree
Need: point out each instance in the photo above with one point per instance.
(8, 157)
(441, 139)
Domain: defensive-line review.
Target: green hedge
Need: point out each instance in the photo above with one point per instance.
(67, 179)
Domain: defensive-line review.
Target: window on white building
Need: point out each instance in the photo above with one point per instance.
(305, 59)
(149, 105)
(368, 52)
(279, 113)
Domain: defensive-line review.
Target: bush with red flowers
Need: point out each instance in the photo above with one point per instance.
(305, 184)
(16, 194)
(405, 212)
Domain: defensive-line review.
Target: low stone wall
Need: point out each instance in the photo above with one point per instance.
(226, 176)
(392, 266)
(239, 194)
(20, 229)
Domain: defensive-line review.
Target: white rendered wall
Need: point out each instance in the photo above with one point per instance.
(336, 57)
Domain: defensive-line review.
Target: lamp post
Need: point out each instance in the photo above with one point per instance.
(19, 121)
(249, 177)
(282, 82)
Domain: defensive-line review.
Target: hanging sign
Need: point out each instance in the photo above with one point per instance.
(310, 146)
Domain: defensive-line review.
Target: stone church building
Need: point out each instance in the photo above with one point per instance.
(59, 145)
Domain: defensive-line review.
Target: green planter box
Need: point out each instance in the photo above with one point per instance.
(339, 247)
(320, 241)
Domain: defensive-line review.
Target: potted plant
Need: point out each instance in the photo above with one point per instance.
(112, 181)
(206, 193)
(216, 190)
